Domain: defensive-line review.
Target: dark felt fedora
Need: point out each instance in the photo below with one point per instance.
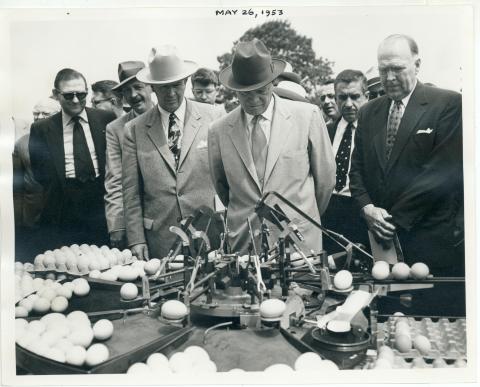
(127, 71)
(252, 67)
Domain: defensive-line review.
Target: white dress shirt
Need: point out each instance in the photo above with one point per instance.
(341, 127)
(68, 123)
(404, 100)
(265, 122)
(179, 120)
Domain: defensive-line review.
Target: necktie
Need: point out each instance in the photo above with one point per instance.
(393, 124)
(82, 159)
(259, 148)
(173, 138)
(342, 158)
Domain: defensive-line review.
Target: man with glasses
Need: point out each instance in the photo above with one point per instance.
(165, 157)
(67, 154)
(328, 103)
(138, 95)
(268, 144)
(375, 87)
(104, 97)
(406, 173)
(351, 94)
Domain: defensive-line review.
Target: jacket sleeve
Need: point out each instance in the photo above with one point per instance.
(357, 187)
(132, 188)
(113, 181)
(40, 159)
(217, 171)
(322, 161)
(440, 174)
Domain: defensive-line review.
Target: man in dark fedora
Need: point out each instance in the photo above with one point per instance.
(165, 157)
(268, 144)
(139, 96)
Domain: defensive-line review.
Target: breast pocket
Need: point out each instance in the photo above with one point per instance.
(422, 144)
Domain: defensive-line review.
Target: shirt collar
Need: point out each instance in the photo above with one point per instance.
(344, 123)
(267, 114)
(66, 118)
(179, 113)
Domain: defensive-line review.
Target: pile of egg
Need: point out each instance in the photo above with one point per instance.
(66, 339)
(306, 362)
(49, 295)
(23, 280)
(127, 273)
(404, 342)
(81, 259)
(192, 360)
(400, 271)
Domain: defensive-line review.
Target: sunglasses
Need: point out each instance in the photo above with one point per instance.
(324, 97)
(69, 96)
(375, 94)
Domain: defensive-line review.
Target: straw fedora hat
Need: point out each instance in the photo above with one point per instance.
(165, 66)
(128, 71)
(252, 67)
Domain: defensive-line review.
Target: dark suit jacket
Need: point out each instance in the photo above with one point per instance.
(332, 128)
(47, 156)
(419, 184)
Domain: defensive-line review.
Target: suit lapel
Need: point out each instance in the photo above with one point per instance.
(238, 134)
(157, 135)
(279, 133)
(416, 107)
(55, 143)
(190, 130)
(380, 129)
(97, 129)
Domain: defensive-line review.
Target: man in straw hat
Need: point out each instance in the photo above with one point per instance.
(165, 157)
(268, 144)
(138, 95)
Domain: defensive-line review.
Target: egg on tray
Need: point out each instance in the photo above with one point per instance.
(343, 280)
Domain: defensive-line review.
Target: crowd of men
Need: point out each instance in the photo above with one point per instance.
(379, 156)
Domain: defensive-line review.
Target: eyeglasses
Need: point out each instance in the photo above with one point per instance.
(344, 97)
(323, 97)
(96, 102)
(69, 96)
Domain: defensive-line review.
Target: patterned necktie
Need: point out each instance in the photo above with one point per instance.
(84, 169)
(173, 138)
(259, 148)
(343, 158)
(393, 124)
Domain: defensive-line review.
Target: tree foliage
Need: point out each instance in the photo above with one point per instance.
(285, 43)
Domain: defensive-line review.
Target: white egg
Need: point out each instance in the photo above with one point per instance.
(403, 343)
(129, 291)
(343, 280)
(56, 354)
(78, 315)
(272, 308)
(419, 270)
(96, 354)
(109, 276)
(41, 305)
(95, 274)
(59, 304)
(152, 266)
(400, 271)
(103, 329)
(328, 365)
(380, 270)
(64, 344)
(51, 337)
(422, 344)
(139, 368)
(82, 288)
(126, 254)
(197, 354)
(82, 337)
(179, 362)
(76, 355)
(157, 361)
(307, 361)
(21, 311)
(64, 292)
(21, 323)
(127, 273)
(174, 310)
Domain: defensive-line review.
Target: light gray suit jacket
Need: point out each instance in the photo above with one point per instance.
(300, 166)
(113, 172)
(155, 195)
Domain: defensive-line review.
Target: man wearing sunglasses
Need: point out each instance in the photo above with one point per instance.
(351, 94)
(67, 153)
(328, 103)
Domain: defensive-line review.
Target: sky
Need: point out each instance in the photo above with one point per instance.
(95, 41)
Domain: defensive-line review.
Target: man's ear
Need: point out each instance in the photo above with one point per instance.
(55, 94)
(418, 61)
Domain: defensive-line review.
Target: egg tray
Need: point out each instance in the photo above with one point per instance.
(447, 337)
(409, 363)
(134, 338)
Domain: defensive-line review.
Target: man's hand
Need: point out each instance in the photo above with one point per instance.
(118, 239)
(379, 222)
(141, 251)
